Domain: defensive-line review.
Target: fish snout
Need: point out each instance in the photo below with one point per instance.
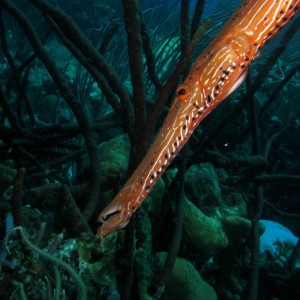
(112, 219)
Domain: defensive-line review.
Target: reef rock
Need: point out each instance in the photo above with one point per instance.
(206, 233)
(186, 283)
(237, 229)
(202, 185)
(114, 157)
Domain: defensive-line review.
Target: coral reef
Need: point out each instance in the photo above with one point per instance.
(277, 245)
(275, 233)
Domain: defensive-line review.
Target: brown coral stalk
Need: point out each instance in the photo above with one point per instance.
(136, 65)
(258, 207)
(80, 224)
(185, 26)
(150, 57)
(161, 282)
(197, 16)
(17, 200)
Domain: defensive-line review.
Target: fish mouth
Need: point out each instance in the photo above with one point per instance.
(112, 219)
(103, 219)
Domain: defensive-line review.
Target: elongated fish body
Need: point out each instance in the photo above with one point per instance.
(217, 72)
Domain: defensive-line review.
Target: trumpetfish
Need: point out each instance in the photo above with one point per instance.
(217, 72)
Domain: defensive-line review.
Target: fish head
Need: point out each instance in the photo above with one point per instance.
(112, 218)
(118, 213)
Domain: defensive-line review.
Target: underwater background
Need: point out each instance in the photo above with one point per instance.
(222, 222)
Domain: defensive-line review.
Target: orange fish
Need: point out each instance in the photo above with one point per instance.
(218, 71)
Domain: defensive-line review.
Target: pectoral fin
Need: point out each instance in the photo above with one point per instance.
(237, 83)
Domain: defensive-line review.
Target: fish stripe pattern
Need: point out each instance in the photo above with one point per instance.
(217, 72)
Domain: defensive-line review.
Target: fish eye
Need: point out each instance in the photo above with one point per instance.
(182, 92)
